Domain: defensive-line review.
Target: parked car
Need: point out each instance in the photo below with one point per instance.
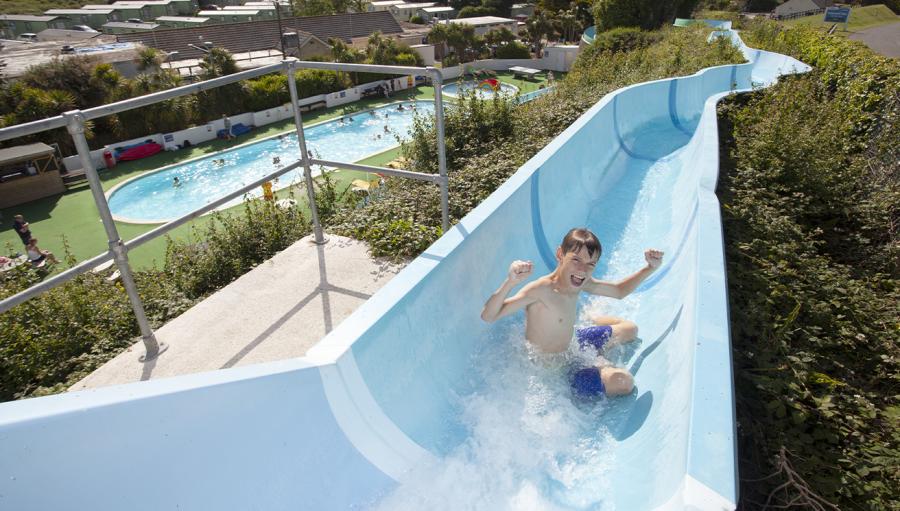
(83, 28)
(67, 49)
(28, 36)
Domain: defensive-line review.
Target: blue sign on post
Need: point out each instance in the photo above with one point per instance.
(837, 15)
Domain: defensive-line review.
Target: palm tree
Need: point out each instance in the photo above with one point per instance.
(217, 62)
(460, 37)
(536, 27)
(149, 58)
(568, 24)
(438, 37)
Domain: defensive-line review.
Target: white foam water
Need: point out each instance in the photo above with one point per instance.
(530, 446)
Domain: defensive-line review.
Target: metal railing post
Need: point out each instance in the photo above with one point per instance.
(289, 66)
(437, 79)
(75, 124)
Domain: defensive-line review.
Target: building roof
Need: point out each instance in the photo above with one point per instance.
(261, 35)
(482, 20)
(23, 152)
(122, 24)
(60, 34)
(227, 13)
(388, 3)
(251, 7)
(64, 12)
(26, 17)
(445, 8)
(419, 5)
(103, 7)
(796, 6)
(186, 19)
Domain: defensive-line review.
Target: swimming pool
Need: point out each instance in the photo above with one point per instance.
(153, 198)
(484, 92)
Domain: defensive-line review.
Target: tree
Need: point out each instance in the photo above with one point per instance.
(438, 37)
(358, 5)
(149, 58)
(217, 62)
(501, 36)
(646, 14)
(476, 11)
(537, 27)
(461, 38)
(567, 24)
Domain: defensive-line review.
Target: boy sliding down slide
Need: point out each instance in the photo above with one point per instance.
(551, 303)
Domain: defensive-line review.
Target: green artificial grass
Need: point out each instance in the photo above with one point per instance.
(72, 219)
(860, 18)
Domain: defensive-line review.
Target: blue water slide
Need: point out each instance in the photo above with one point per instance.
(414, 403)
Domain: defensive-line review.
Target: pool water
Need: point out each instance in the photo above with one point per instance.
(153, 198)
(455, 88)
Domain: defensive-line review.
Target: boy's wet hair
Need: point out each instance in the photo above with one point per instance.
(581, 237)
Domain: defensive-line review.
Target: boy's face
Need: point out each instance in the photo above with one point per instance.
(576, 267)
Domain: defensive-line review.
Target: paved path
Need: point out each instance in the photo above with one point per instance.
(278, 310)
(884, 39)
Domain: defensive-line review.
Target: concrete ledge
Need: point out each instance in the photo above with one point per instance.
(277, 311)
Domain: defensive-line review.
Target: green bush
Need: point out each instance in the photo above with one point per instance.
(646, 14)
(810, 194)
(622, 39)
(450, 61)
(232, 245)
(476, 11)
(513, 50)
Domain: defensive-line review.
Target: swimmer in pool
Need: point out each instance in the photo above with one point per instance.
(551, 304)
(176, 182)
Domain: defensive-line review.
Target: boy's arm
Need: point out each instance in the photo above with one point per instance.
(625, 286)
(498, 305)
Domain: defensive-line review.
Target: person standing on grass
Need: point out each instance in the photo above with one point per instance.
(227, 121)
(22, 229)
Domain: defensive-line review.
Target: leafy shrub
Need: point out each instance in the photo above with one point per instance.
(232, 245)
(418, 20)
(811, 201)
(646, 14)
(473, 127)
(622, 39)
(450, 61)
(50, 342)
(513, 50)
(474, 11)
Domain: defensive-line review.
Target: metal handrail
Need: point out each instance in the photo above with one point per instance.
(421, 176)
(118, 250)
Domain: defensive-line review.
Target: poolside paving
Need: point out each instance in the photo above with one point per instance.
(278, 310)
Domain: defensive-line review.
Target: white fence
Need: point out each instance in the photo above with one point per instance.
(556, 58)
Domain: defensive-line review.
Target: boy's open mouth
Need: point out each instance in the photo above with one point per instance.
(577, 281)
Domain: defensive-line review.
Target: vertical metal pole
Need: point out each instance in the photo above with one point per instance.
(437, 79)
(289, 66)
(75, 124)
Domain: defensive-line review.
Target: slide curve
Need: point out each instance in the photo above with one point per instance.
(408, 385)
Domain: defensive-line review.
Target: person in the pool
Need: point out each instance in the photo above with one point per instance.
(551, 304)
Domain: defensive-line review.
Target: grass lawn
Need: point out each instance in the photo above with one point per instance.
(74, 216)
(860, 18)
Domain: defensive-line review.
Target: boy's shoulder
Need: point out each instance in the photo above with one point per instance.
(539, 284)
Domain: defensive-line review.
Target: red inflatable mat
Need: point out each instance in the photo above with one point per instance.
(138, 152)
